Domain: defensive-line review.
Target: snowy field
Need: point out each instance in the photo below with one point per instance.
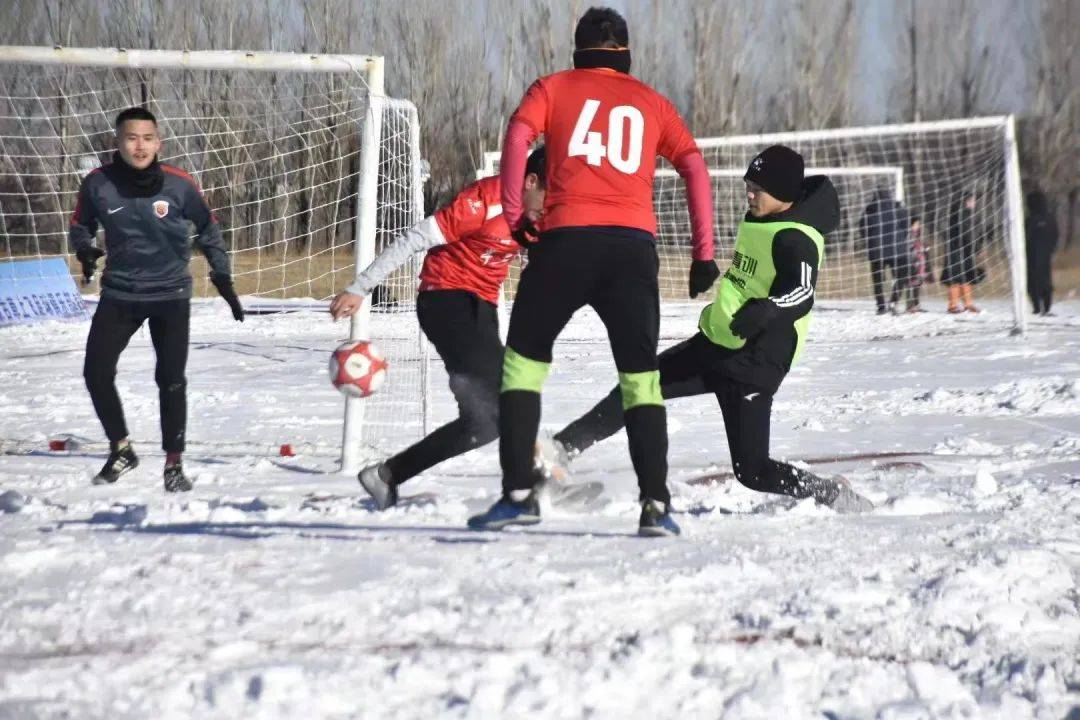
(273, 590)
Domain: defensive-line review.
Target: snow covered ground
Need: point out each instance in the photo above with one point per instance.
(273, 590)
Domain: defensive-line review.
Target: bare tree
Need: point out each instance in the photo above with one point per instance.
(953, 73)
(822, 34)
(1052, 147)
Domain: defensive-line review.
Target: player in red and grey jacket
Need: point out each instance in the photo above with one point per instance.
(469, 249)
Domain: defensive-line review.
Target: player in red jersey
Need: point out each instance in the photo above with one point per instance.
(469, 249)
(595, 245)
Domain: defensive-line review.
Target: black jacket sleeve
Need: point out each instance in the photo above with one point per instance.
(795, 257)
(209, 240)
(84, 224)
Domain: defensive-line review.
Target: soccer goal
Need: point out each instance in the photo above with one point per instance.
(309, 168)
(931, 168)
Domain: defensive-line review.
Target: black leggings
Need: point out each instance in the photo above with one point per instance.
(1040, 287)
(747, 411)
(465, 332)
(877, 277)
(614, 271)
(115, 321)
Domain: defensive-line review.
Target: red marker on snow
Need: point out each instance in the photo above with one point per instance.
(286, 451)
(57, 445)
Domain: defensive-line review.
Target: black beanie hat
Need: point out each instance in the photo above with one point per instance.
(601, 27)
(778, 170)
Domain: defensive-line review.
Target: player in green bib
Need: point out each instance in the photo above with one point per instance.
(751, 335)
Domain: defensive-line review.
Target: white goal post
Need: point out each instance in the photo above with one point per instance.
(309, 167)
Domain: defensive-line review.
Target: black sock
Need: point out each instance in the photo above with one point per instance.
(519, 421)
(646, 430)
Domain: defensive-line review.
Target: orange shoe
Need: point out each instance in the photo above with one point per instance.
(969, 304)
(954, 299)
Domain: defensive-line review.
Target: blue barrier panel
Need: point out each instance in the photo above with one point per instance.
(36, 290)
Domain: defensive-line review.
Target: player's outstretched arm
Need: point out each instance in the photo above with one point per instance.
(83, 228)
(421, 237)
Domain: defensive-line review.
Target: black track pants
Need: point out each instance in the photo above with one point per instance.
(877, 277)
(1040, 290)
(465, 332)
(747, 411)
(614, 271)
(115, 321)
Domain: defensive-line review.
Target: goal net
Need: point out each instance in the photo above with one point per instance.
(958, 179)
(305, 164)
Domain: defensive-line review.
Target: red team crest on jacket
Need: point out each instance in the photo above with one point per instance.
(602, 137)
(161, 208)
(477, 247)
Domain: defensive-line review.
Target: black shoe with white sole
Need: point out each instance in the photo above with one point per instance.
(175, 480)
(121, 461)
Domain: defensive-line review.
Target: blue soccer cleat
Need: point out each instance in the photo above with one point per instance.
(508, 512)
(656, 520)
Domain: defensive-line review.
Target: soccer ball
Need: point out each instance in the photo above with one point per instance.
(357, 368)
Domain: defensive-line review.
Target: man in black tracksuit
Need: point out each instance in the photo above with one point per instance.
(1041, 234)
(144, 207)
(750, 336)
(884, 226)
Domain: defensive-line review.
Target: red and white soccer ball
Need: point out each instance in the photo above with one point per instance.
(358, 368)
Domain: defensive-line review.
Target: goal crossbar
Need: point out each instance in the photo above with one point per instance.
(193, 59)
(895, 172)
(1000, 121)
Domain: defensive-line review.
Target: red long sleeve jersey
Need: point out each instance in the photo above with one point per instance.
(603, 130)
(477, 247)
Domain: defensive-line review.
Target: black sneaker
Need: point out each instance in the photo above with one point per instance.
(175, 480)
(656, 520)
(121, 461)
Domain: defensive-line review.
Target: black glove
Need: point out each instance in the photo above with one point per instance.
(89, 256)
(527, 235)
(703, 274)
(753, 317)
(224, 286)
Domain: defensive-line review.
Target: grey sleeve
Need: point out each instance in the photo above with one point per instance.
(209, 240)
(422, 236)
(84, 223)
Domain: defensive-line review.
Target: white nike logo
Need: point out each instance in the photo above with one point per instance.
(751, 396)
(115, 210)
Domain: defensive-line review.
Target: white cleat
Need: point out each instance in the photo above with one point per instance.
(552, 460)
(847, 501)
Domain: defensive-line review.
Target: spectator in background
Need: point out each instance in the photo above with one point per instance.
(960, 271)
(920, 265)
(1042, 237)
(884, 226)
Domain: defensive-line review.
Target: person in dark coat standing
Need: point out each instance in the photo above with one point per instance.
(1041, 232)
(960, 271)
(884, 226)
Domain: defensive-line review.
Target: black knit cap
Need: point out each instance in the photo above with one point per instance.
(778, 170)
(601, 27)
